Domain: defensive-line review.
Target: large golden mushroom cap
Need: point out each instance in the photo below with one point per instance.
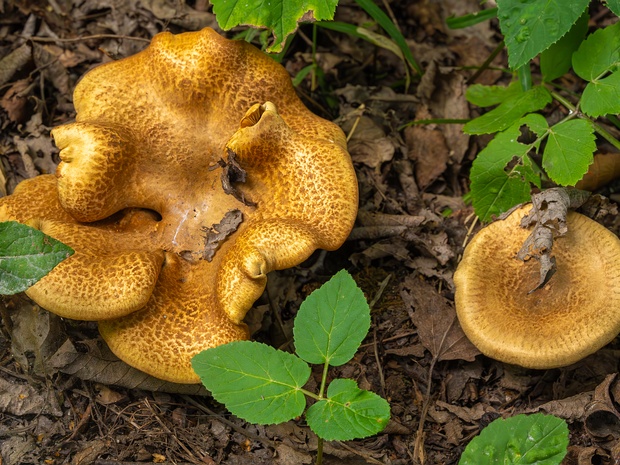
(153, 165)
(576, 313)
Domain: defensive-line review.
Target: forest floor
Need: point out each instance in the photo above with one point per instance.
(64, 399)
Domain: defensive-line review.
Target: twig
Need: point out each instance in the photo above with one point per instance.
(79, 39)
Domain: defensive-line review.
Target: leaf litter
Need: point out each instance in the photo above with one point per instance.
(64, 398)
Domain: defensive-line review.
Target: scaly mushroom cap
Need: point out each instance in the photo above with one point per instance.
(576, 313)
(155, 161)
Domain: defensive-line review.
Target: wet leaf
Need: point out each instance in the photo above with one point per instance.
(524, 439)
(557, 59)
(531, 27)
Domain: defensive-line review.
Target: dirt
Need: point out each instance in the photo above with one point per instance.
(64, 398)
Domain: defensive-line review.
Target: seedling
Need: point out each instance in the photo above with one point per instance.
(263, 385)
(503, 174)
(26, 255)
(523, 439)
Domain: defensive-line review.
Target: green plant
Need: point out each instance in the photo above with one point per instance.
(263, 385)
(26, 255)
(523, 439)
(503, 173)
(281, 19)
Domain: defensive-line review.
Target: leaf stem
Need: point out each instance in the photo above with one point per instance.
(319, 451)
(574, 112)
(486, 63)
(525, 77)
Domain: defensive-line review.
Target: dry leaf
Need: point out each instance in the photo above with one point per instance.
(436, 321)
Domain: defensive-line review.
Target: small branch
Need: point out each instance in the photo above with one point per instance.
(80, 39)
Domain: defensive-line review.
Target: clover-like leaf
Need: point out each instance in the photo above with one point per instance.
(279, 16)
(255, 381)
(348, 412)
(502, 173)
(569, 151)
(332, 322)
(531, 27)
(26, 256)
(509, 111)
(598, 54)
(602, 96)
(524, 439)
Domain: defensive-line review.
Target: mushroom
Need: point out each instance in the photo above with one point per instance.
(191, 171)
(576, 313)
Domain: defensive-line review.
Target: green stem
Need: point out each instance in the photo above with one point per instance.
(525, 77)
(486, 63)
(574, 112)
(613, 119)
(319, 451)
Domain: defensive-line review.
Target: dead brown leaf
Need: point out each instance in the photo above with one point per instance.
(436, 321)
(427, 147)
(15, 101)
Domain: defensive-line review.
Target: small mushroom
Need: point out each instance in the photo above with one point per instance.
(191, 171)
(576, 313)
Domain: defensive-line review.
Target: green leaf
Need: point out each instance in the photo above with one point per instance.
(529, 27)
(524, 439)
(26, 255)
(332, 322)
(556, 60)
(348, 413)
(509, 111)
(279, 16)
(502, 173)
(388, 26)
(255, 381)
(602, 96)
(486, 96)
(614, 6)
(460, 22)
(598, 54)
(569, 151)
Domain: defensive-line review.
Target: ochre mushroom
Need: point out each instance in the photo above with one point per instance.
(191, 171)
(576, 313)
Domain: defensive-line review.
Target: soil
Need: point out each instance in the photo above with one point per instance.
(64, 399)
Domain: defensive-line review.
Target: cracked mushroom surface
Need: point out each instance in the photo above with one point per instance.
(191, 171)
(572, 316)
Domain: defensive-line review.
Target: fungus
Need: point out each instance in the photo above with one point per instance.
(191, 171)
(573, 315)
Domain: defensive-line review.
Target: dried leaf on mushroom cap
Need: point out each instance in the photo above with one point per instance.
(576, 313)
(149, 130)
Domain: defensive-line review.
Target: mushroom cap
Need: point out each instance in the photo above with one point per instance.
(576, 313)
(154, 163)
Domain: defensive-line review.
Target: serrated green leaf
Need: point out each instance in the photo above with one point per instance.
(536, 123)
(501, 174)
(602, 96)
(614, 6)
(557, 59)
(510, 111)
(529, 27)
(332, 322)
(569, 151)
(26, 255)
(279, 16)
(598, 54)
(348, 413)
(486, 96)
(254, 381)
(524, 439)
